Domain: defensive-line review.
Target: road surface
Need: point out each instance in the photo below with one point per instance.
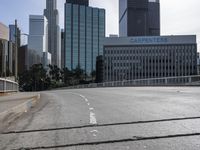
(137, 118)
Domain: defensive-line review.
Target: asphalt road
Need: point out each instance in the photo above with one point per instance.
(142, 118)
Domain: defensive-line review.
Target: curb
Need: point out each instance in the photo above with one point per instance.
(8, 116)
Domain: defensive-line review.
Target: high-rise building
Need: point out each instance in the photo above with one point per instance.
(7, 53)
(139, 18)
(22, 58)
(37, 39)
(52, 16)
(154, 18)
(15, 34)
(62, 48)
(12, 35)
(46, 60)
(84, 33)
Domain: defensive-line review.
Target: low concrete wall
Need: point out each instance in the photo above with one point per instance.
(165, 81)
(7, 117)
(7, 86)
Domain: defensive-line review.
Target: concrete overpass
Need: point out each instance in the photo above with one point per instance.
(141, 118)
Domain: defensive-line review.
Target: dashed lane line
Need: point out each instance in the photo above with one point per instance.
(93, 118)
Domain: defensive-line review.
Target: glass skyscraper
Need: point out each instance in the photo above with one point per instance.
(84, 33)
(139, 18)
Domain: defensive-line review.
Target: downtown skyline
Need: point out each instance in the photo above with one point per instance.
(175, 20)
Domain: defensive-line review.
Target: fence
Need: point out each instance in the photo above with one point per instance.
(8, 86)
(166, 81)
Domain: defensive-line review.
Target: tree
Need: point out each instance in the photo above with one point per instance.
(35, 79)
(55, 73)
(78, 74)
(67, 76)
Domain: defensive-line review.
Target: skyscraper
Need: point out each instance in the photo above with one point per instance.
(52, 16)
(62, 48)
(84, 34)
(139, 17)
(12, 35)
(37, 39)
(154, 17)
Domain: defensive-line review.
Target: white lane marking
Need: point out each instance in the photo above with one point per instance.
(84, 98)
(93, 119)
(91, 108)
(94, 132)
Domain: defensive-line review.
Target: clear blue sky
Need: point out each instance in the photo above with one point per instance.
(177, 16)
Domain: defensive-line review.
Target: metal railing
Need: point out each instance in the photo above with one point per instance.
(8, 86)
(166, 81)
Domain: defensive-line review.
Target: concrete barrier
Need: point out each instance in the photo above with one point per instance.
(7, 86)
(8, 116)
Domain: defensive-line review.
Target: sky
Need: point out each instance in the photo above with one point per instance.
(178, 17)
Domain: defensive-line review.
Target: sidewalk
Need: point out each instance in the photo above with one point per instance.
(14, 99)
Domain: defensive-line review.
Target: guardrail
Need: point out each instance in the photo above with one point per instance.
(8, 86)
(166, 81)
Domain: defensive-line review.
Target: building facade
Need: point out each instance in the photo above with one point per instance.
(99, 69)
(54, 47)
(139, 18)
(129, 58)
(37, 39)
(84, 34)
(22, 59)
(46, 60)
(7, 53)
(12, 35)
(4, 32)
(7, 58)
(62, 48)
(198, 63)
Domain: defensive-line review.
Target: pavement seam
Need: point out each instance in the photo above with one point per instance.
(134, 139)
(101, 125)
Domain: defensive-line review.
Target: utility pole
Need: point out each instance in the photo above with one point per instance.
(16, 51)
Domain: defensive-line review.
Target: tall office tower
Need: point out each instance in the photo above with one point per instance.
(154, 17)
(84, 34)
(15, 34)
(12, 35)
(52, 16)
(139, 17)
(37, 39)
(62, 48)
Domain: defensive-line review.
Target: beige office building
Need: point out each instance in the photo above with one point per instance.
(4, 32)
